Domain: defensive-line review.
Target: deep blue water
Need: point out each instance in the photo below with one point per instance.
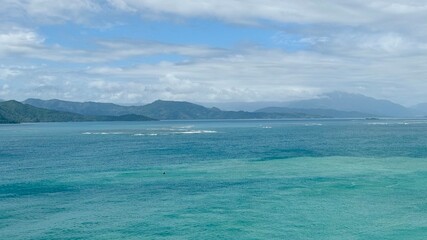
(294, 179)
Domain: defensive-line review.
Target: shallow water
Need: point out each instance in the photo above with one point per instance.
(294, 179)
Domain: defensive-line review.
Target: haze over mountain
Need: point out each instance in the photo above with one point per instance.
(242, 106)
(354, 102)
(420, 109)
(337, 104)
(16, 112)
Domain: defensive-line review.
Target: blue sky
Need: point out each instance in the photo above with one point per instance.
(137, 51)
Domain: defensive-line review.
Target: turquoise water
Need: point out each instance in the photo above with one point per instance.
(306, 179)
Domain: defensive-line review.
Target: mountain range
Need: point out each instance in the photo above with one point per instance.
(334, 104)
(330, 105)
(162, 110)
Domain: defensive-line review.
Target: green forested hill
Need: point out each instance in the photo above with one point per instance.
(16, 112)
(186, 110)
(83, 108)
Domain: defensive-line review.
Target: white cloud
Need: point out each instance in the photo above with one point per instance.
(249, 11)
(6, 73)
(18, 41)
(4, 91)
(390, 27)
(286, 11)
(369, 45)
(124, 49)
(397, 7)
(121, 5)
(49, 11)
(351, 12)
(378, 27)
(28, 43)
(252, 75)
(20, 37)
(176, 85)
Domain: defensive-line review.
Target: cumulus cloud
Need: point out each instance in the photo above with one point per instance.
(18, 41)
(268, 75)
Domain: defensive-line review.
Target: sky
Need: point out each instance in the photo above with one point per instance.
(138, 51)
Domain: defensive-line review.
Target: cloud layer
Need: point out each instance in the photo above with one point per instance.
(378, 48)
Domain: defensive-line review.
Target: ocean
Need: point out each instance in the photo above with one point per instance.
(252, 179)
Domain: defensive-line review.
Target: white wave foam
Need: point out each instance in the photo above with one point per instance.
(103, 133)
(313, 124)
(171, 131)
(145, 134)
(398, 123)
(195, 132)
(378, 123)
(185, 127)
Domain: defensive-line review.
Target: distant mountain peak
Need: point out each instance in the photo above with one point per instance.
(170, 102)
(341, 95)
(344, 101)
(420, 109)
